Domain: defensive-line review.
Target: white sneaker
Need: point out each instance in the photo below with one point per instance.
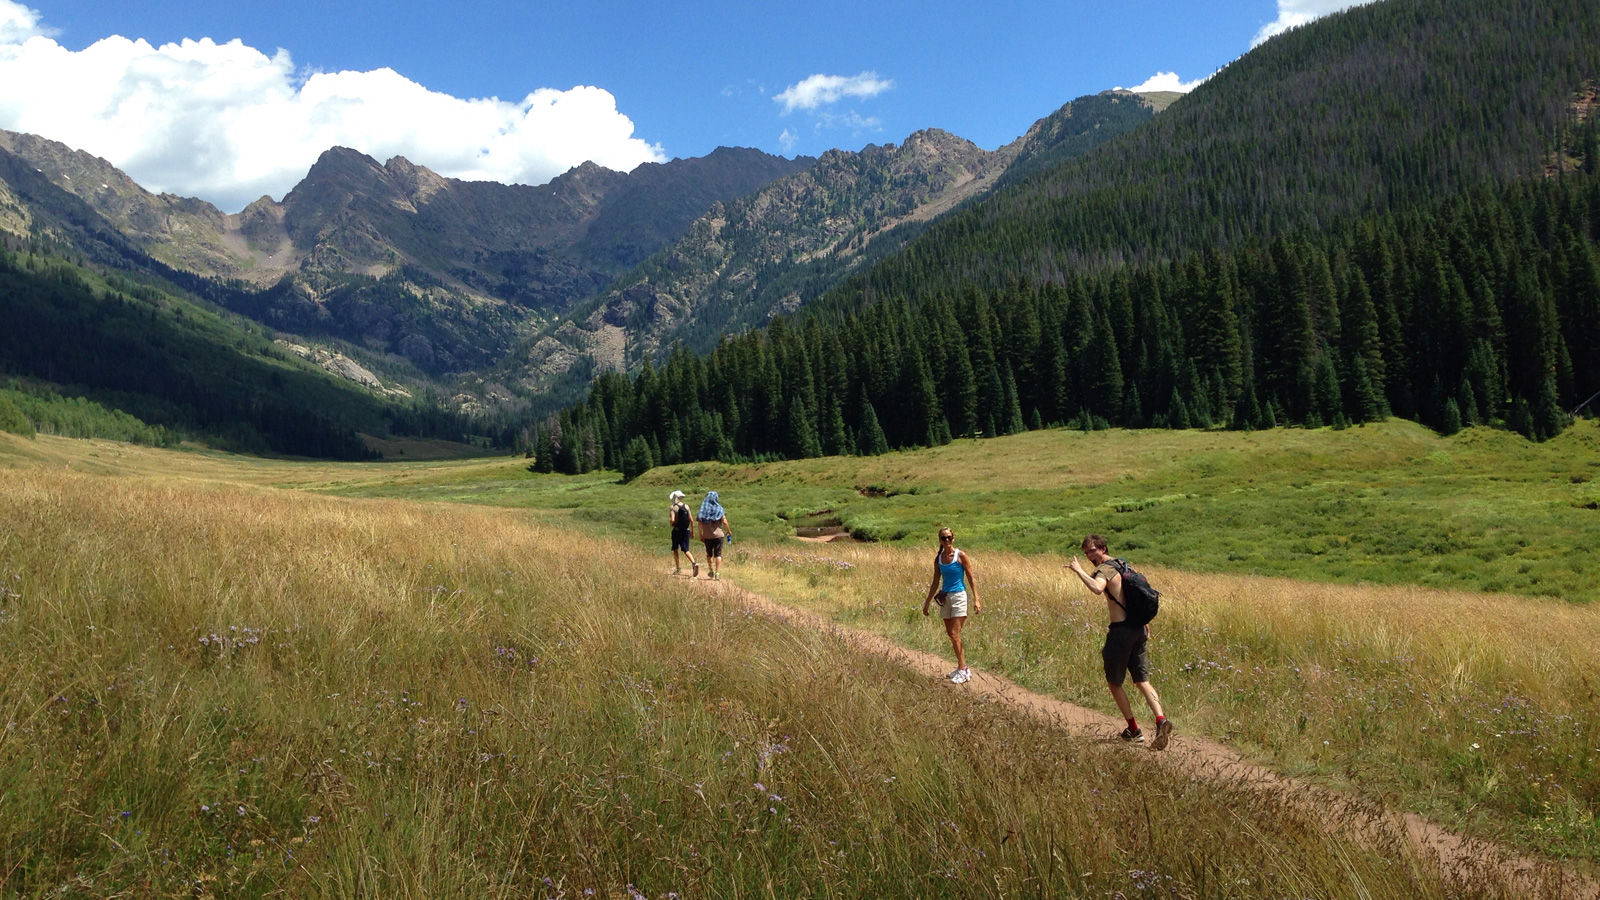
(962, 676)
(954, 674)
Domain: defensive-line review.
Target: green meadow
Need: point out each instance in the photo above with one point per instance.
(1390, 503)
(235, 677)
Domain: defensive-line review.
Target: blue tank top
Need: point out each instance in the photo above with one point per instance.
(955, 577)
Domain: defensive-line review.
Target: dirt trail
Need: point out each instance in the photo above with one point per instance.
(1458, 856)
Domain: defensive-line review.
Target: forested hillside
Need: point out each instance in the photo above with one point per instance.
(1374, 110)
(180, 367)
(1482, 309)
(1393, 210)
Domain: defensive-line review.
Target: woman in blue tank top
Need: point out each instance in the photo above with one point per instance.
(953, 580)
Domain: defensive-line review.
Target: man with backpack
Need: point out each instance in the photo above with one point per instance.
(1132, 603)
(680, 519)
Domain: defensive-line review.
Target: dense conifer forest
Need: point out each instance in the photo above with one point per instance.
(1378, 109)
(1393, 211)
(1484, 309)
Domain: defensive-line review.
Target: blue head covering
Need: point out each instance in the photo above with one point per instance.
(710, 509)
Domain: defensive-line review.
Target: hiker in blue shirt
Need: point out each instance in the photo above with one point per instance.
(953, 578)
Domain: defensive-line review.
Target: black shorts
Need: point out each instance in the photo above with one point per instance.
(713, 547)
(1124, 654)
(680, 540)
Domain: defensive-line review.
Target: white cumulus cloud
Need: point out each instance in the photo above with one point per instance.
(1293, 13)
(1166, 81)
(228, 123)
(18, 23)
(819, 90)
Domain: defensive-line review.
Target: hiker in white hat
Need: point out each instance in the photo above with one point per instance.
(680, 519)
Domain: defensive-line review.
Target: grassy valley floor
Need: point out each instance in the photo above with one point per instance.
(443, 681)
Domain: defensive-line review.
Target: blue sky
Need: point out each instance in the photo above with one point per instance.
(227, 101)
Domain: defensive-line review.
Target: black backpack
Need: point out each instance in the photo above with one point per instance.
(1139, 600)
(680, 519)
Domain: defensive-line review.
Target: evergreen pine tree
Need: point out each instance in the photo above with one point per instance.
(1467, 402)
(1247, 412)
(635, 459)
(1520, 419)
(871, 440)
(544, 457)
(1549, 419)
(1451, 422)
(961, 389)
(1013, 408)
(802, 436)
(1132, 409)
(837, 440)
(1177, 411)
(1328, 406)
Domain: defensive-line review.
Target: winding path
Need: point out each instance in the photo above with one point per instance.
(1458, 856)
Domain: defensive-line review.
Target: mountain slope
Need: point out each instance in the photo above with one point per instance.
(181, 232)
(1380, 108)
(174, 362)
(392, 257)
(748, 260)
(1394, 211)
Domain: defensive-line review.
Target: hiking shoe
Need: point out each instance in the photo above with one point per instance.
(677, 570)
(961, 676)
(1132, 735)
(954, 674)
(1163, 734)
(696, 570)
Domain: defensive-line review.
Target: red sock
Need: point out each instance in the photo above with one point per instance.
(1132, 724)
(1160, 719)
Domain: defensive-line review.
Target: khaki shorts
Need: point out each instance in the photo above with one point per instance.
(952, 605)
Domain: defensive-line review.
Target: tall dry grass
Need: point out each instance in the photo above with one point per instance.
(215, 690)
(1479, 710)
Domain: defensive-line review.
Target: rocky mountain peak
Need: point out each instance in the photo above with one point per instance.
(342, 159)
(418, 182)
(587, 173)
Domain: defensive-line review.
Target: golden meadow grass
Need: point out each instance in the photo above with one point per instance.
(215, 690)
(1477, 710)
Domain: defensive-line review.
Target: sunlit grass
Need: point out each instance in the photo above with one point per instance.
(1389, 503)
(217, 690)
(1478, 710)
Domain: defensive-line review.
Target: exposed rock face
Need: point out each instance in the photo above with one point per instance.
(458, 271)
(541, 247)
(745, 261)
(342, 366)
(184, 233)
(825, 217)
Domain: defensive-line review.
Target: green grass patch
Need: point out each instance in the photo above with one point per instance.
(1382, 504)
